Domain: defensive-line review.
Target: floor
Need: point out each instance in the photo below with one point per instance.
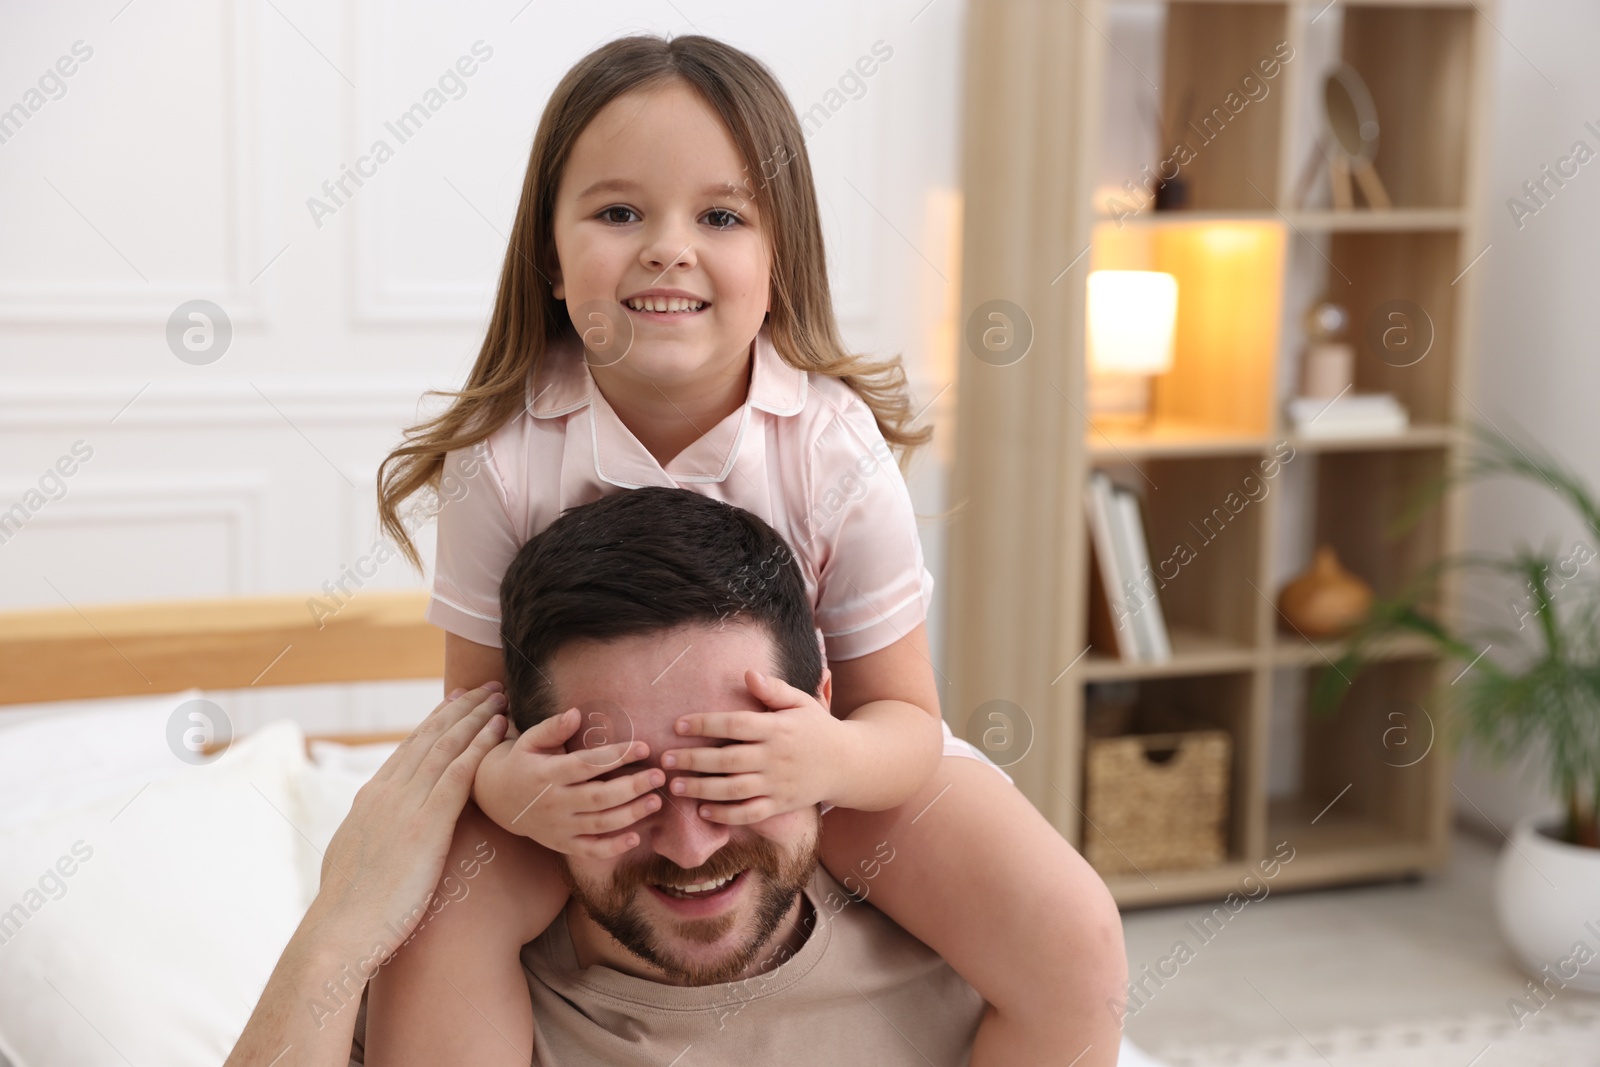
(1297, 963)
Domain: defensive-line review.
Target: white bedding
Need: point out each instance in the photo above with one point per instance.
(185, 881)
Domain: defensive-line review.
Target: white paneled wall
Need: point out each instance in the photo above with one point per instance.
(185, 157)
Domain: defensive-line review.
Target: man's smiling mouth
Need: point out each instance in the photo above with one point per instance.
(706, 899)
(697, 889)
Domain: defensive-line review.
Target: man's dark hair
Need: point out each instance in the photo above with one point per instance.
(646, 560)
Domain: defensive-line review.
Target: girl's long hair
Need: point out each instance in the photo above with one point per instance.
(527, 319)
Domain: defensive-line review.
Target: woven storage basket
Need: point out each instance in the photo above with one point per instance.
(1144, 815)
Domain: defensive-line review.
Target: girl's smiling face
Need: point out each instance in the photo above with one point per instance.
(655, 195)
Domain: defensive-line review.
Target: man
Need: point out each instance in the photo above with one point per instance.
(727, 940)
(636, 610)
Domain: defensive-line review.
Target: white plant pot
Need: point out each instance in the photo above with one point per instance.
(1547, 898)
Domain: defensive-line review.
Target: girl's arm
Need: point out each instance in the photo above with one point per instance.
(493, 789)
(889, 700)
(987, 883)
(971, 869)
(456, 993)
(467, 663)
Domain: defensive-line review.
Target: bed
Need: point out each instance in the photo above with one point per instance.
(150, 870)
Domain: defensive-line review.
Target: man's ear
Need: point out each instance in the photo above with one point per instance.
(825, 691)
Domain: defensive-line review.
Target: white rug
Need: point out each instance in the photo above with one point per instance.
(1564, 1034)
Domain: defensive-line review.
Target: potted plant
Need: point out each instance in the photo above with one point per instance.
(1532, 689)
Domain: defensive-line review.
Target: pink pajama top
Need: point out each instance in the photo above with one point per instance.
(803, 452)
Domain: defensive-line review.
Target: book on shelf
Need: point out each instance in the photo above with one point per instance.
(1125, 617)
(1349, 415)
(1141, 597)
(1107, 629)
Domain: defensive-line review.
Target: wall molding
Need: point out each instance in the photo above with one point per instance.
(374, 297)
(126, 303)
(46, 403)
(238, 499)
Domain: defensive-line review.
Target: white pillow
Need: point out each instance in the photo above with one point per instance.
(157, 944)
(66, 755)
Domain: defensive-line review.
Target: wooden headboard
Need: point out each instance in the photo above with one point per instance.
(233, 643)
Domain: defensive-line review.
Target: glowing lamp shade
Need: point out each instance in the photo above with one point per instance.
(1131, 318)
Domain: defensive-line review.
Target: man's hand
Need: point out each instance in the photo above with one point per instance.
(535, 787)
(378, 874)
(787, 761)
(385, 860)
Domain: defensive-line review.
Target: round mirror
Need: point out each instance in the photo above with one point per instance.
(1352, 119)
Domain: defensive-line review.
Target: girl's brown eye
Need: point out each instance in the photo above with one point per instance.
(733, 219)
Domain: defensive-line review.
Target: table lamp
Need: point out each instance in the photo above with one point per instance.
(1132, 314)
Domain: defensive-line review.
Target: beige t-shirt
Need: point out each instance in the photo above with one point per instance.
(860, 990)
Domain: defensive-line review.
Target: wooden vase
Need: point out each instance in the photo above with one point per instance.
(1325, 600)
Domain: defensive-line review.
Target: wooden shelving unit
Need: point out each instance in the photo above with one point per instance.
(1048, 89)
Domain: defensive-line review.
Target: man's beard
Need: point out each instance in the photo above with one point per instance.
(614, 905)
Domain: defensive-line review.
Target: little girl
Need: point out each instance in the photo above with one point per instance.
(663, 318)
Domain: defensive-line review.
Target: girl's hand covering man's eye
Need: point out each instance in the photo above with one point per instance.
(537, 788)
(784, 764)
